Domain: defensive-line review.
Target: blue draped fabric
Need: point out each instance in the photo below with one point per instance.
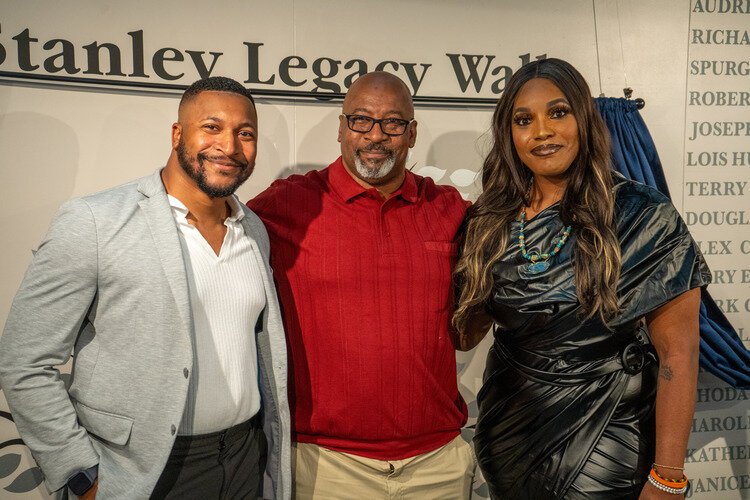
(721, 350)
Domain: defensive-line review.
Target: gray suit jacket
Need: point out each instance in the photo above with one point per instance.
(109, 283)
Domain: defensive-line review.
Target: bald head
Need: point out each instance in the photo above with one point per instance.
(377, 82)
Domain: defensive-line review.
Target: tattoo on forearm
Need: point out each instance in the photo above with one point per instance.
(665, 372)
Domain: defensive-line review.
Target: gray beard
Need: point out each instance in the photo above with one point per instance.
(374, 173)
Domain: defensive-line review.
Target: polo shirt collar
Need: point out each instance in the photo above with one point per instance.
(347, 188)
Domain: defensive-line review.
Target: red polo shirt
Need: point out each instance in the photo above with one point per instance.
(365, 287)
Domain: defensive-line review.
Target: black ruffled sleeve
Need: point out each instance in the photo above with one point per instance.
(660, 260)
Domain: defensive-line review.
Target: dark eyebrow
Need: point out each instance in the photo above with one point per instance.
(549, 105)
(219, 120)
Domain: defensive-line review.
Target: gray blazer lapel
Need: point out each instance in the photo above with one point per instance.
(262, 260)
(160, 220)
(273, 361)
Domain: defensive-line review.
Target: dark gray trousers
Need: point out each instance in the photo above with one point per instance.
(227, 464)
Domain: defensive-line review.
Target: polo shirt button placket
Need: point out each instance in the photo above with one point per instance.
(383, 224)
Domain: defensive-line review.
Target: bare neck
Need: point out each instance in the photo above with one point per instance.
(545, 191)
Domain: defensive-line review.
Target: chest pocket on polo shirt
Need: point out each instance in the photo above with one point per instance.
(445, 247)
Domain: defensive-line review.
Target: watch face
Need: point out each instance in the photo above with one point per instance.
(80, 483)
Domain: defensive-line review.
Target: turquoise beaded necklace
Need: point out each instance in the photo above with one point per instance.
(539, 262)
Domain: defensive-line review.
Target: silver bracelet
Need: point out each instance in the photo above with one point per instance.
(668, 489)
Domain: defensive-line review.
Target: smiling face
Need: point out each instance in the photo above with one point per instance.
(215, 141)
(374, 158)
(544, 129)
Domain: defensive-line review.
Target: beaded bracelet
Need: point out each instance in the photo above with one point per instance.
(674, 483)
(673, 491)
(668, 485)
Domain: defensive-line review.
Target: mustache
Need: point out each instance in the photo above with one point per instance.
(224, 160)
(375, 147)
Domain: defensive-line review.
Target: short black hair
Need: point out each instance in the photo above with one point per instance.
(215, 84)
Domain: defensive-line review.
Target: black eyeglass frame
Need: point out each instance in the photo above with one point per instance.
(379, 122)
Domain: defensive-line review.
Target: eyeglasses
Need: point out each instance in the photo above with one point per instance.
(390, 126)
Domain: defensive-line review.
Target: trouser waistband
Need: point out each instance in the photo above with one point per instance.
(225, 436)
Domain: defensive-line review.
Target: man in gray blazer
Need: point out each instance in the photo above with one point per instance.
(162, 290)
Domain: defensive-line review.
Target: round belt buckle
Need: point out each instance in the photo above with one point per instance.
(633, 358)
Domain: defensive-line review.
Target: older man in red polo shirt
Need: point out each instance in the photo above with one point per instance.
(362, 253)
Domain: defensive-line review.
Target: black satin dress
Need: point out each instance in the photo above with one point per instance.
(559, 415)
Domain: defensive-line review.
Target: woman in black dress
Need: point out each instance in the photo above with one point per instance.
(569, 260)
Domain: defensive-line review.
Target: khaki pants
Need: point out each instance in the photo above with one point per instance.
(444, 473)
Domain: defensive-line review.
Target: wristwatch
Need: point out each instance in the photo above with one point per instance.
(82, 481)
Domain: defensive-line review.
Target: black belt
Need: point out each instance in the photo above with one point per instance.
(228, 435)
(633, 357)
(638, 353)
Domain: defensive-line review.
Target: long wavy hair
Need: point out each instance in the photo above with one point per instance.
(587, 203)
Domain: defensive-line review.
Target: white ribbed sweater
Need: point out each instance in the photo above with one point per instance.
(226, 299)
